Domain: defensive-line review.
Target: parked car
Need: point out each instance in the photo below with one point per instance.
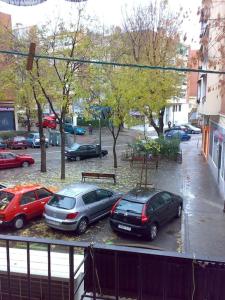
(33, 140)
(142, 211)
(3, 144)
(22, 203)
(179, 134)
(70, 128)
(2, 186)
(78, 152)
(48, 122)
(11, 160)
(177, 127)
(16, 142)
(192, 129)
(76, 206)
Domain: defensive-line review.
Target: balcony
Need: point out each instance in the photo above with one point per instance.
(73, 270)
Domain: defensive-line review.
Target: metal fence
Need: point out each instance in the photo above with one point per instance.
(113, 272)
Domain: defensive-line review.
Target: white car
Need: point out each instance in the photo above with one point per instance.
(192, 129)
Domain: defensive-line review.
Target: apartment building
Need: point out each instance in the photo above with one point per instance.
(211, 96)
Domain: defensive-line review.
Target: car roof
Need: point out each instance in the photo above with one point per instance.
(141, 195)
(76, 189)
(21, 189)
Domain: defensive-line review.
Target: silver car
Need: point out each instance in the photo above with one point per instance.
(78, 205)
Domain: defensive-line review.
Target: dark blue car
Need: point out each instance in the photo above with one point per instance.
(179, 134)
(70, 128)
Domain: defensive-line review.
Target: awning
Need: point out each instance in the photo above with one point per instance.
(32, 2)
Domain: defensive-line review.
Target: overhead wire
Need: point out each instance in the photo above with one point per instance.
(115, 64)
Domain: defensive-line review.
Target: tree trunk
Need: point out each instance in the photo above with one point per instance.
(28, 120)
(42, 139)
(63, 143)
(114, 153)
(161, 124)
(158, 129)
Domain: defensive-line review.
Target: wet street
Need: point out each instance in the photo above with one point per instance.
(202, 223)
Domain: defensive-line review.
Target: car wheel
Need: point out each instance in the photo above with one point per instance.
(25, 164)
(82, 226)
(179, 211)
(153, 231)
(19, 222)
(77, 158)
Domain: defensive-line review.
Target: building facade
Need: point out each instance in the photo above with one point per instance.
(211, 96)
(7, 97)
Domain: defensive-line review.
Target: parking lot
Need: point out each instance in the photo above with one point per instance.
(167, 177)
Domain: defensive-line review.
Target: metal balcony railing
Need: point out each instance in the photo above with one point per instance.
(105, 272)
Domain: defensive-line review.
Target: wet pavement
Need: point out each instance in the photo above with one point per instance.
(203, 219)
(201, 229)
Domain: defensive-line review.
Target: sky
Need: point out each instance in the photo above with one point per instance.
(108, 13)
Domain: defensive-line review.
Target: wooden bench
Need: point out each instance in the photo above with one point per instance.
(98, 176)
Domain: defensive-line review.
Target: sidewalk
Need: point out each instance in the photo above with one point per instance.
(203, 219)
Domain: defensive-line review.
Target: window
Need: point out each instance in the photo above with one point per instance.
(101, 194)
(90, 198)
(5, 198)
(179, 106)
(43, 193)
(129, 206)
(157, 202)
(166, 197)
(9, 155)
(83, 148)
(28, 198)
(215, 150)
(63, 202)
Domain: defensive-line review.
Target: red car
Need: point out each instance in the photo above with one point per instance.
(11, 160)
(17, 142)
(22, 203)
(48, 122)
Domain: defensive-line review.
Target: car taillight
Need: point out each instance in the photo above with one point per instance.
(114, 206)
(144, 217)
(2, 217)
(72, 216)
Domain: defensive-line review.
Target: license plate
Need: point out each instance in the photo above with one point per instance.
(52, 222)
(124, 227)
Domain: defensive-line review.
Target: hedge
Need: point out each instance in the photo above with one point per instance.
(93, 122)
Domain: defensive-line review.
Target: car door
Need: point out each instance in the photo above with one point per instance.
(82, 151)
(93, 206)
(2, 161)
(91, 150)
(43, 196)
(10, 160)
(105, 201)
(29, 205)
(158, 210)
(170, 205)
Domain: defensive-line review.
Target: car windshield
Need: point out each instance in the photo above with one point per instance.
(75, 146)
(130, 206)
(19, 138)
(63, 202)
(5, 198)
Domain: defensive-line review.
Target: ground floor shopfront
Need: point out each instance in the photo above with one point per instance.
(216, 152)
(7, 116)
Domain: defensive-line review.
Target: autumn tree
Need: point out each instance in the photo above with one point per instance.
(59, 84)
(152, 37)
